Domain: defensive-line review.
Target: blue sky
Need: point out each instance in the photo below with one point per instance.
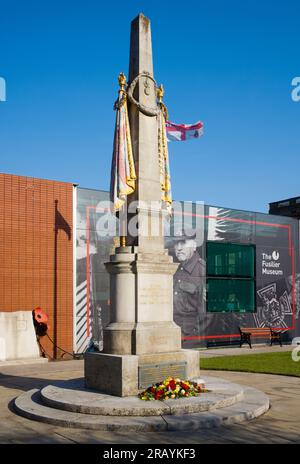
(227, 63)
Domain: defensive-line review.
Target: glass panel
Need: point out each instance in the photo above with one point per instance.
(225, 295)
(228, 259)
(284, 203)
(229, 225)
(92, 304)
(273, 230)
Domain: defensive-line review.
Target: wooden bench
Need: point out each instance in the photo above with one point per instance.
(274, 335)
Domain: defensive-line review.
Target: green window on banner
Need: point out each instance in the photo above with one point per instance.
(225, 295)
(229, 259)
(230, 277)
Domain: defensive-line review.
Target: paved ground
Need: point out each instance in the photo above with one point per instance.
(280, 425)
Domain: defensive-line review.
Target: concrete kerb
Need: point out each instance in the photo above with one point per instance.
(245, 350)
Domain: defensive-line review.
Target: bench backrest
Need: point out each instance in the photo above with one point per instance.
(256, 330)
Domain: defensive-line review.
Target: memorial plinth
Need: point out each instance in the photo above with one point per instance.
(141, 341)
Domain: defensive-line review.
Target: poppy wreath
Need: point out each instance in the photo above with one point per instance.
(171, 389)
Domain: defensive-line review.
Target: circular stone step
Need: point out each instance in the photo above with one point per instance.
(29, 405)
(253, 404)
(222, 394)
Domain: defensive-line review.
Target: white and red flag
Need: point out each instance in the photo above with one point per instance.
(123, 176)
(179, 132)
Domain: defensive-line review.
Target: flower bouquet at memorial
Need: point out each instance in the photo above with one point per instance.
(172, 388)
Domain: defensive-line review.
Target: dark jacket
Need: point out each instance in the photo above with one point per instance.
(189, 294)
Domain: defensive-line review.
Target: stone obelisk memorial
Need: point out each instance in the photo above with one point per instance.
(142, 344)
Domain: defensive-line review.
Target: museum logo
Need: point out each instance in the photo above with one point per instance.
(270, 264)
(296, 89)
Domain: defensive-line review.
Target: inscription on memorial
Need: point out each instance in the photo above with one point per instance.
(154, 294)
(154, 373)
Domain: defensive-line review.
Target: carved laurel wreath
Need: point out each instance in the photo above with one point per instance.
(147, 110)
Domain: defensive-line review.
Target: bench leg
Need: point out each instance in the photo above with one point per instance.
(242, 340)
(245, 339)
(276, 338)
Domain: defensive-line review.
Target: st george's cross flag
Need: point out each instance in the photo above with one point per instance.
(179, 132)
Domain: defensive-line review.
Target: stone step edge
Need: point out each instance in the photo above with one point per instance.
(206, 402)
(23, 361)
(128, 407)
(254, 404)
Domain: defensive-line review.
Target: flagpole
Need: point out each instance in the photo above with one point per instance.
(122, 218)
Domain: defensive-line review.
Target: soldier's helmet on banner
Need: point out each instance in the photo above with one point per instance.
(184, 234)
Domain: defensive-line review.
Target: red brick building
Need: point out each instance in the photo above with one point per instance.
(36, 253)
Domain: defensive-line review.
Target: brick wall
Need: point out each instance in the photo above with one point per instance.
(36, 262)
